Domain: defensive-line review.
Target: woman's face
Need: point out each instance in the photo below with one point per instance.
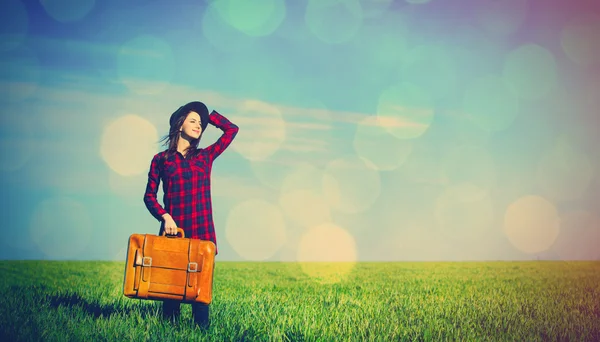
(191, 126)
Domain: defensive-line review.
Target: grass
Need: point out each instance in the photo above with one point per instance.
(481, 301)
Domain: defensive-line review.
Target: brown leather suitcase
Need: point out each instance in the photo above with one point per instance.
(164, 267)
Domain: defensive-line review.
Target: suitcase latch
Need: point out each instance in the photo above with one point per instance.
(146, 261)
(192, 267)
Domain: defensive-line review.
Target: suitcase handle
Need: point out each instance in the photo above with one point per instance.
(179, 231)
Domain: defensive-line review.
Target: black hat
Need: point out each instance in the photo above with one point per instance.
(195, 106)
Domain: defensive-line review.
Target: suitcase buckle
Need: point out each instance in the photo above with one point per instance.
(146, 261)
(189, 268)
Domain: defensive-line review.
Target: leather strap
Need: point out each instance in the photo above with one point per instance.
(194, 267)
(146, 268)
(137, 264)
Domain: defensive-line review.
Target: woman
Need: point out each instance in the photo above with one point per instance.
(185, 171)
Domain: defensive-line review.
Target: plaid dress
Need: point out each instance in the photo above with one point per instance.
(186, 184)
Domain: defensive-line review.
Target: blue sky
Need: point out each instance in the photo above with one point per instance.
(369, 129)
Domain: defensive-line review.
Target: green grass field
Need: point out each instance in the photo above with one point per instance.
(487, 301)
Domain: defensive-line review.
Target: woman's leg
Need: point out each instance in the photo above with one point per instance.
(201, 313)
(171, 309)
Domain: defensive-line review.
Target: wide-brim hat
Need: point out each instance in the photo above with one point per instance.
(195, 106)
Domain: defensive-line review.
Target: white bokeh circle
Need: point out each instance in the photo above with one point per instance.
(327, 253)
(128, 144)
(531, 224)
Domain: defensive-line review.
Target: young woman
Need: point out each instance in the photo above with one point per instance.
(185, 171)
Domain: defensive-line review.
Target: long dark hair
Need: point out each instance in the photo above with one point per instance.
(171, 139)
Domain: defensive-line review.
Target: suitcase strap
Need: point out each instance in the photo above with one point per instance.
(146, 269)
(194, 267)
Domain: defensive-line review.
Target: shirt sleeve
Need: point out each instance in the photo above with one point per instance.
(151, 189)
(229, 129)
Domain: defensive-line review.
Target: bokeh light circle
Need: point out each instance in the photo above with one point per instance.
(579, 39)
(146, 64)
(218, 31)
(564, 172)
(350, 185)
(20, 69)
(432, 68)
(128, 145)
(491, 103)
(66, 11)
(61, 227)
(531, 224)
(376, 144)
(405, 110)
(15, 13)
(255, 229)
(334, 21)
(264, 130)
(254, 18)
(531, 71)
(501, 18)
(327, 253)
(579, 236)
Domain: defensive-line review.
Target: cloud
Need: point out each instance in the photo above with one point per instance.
(306, 145)
(73, 115)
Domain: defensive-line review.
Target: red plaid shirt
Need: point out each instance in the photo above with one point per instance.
(186, 184)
